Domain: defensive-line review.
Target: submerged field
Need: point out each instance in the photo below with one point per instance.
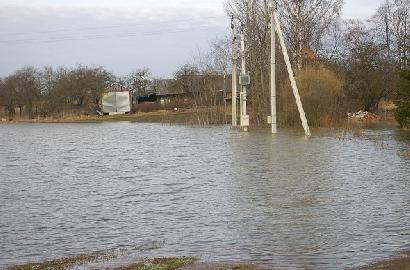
(145, 190)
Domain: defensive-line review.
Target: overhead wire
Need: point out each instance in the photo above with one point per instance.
(33, 37)
(103, 36)
(107, 26)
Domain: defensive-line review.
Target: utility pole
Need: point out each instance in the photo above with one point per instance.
(272, 119)
(291, 74)
(244, 116)
(234, 76)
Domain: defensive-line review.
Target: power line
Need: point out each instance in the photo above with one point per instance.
(103, 36)
(106, 27)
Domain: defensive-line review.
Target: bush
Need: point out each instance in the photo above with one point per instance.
(320, 88)
(403, 99)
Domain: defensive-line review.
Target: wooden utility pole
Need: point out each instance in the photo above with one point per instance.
(234, 76)
(243, 97)
(291, 74)
(273, 75)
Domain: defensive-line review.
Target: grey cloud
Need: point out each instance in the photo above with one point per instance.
(117, 38)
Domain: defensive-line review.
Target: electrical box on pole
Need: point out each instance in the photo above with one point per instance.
(244, 80)
(245, 120)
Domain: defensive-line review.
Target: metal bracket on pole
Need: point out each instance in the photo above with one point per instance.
(291, 74)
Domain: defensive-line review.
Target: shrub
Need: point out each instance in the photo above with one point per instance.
(403, 99)
(320, 89)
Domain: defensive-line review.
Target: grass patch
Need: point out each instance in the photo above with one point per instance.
(160, 264)
(400, 263)
(59, 264)
(177, 117)
(406, 154)
(64, 263)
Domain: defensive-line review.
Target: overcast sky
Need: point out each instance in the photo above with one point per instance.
(120, 35)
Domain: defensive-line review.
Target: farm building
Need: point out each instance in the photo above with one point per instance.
(116, 99)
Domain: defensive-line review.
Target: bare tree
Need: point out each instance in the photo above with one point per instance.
(8, 95)
(80, 88)
(392, 22)
(401, 21)
(306, 22)
(370, 75)
(23, 90)
(139, 80)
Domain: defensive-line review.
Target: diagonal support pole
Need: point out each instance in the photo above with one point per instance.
(291, 74)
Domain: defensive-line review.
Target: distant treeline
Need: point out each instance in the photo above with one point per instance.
(340, 65)
(33, 92)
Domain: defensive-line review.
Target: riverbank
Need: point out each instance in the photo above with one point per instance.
(182, 263)
(401, 262)
(177, 117)
(202, 116)
(190, 117)
(66, 263)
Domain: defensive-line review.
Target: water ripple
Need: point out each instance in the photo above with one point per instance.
(153, 190)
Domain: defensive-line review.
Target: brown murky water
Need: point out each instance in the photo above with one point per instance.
(154, 190)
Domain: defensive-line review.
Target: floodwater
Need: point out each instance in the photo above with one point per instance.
(140, 190)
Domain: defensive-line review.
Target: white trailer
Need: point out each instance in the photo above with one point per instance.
(116, 103)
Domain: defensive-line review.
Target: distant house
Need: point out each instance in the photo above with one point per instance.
(168, 91)
(185, 89)
(116, 99)
(162, 91)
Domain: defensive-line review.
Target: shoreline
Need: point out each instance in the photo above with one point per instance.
(399, 262)
(154, 117)
(183, 116)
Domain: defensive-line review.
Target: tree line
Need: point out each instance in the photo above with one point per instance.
(340, 65)
(30, 92)
(44, 92)
(355, 63)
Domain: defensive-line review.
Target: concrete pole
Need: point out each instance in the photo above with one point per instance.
(234, 76)
(291, 75)
(273, 74)
(243, 108)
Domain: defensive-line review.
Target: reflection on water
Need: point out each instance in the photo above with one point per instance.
(154, 190)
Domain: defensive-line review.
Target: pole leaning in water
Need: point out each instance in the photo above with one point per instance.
(291, 74)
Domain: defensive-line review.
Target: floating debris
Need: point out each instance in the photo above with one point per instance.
(363, 116)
